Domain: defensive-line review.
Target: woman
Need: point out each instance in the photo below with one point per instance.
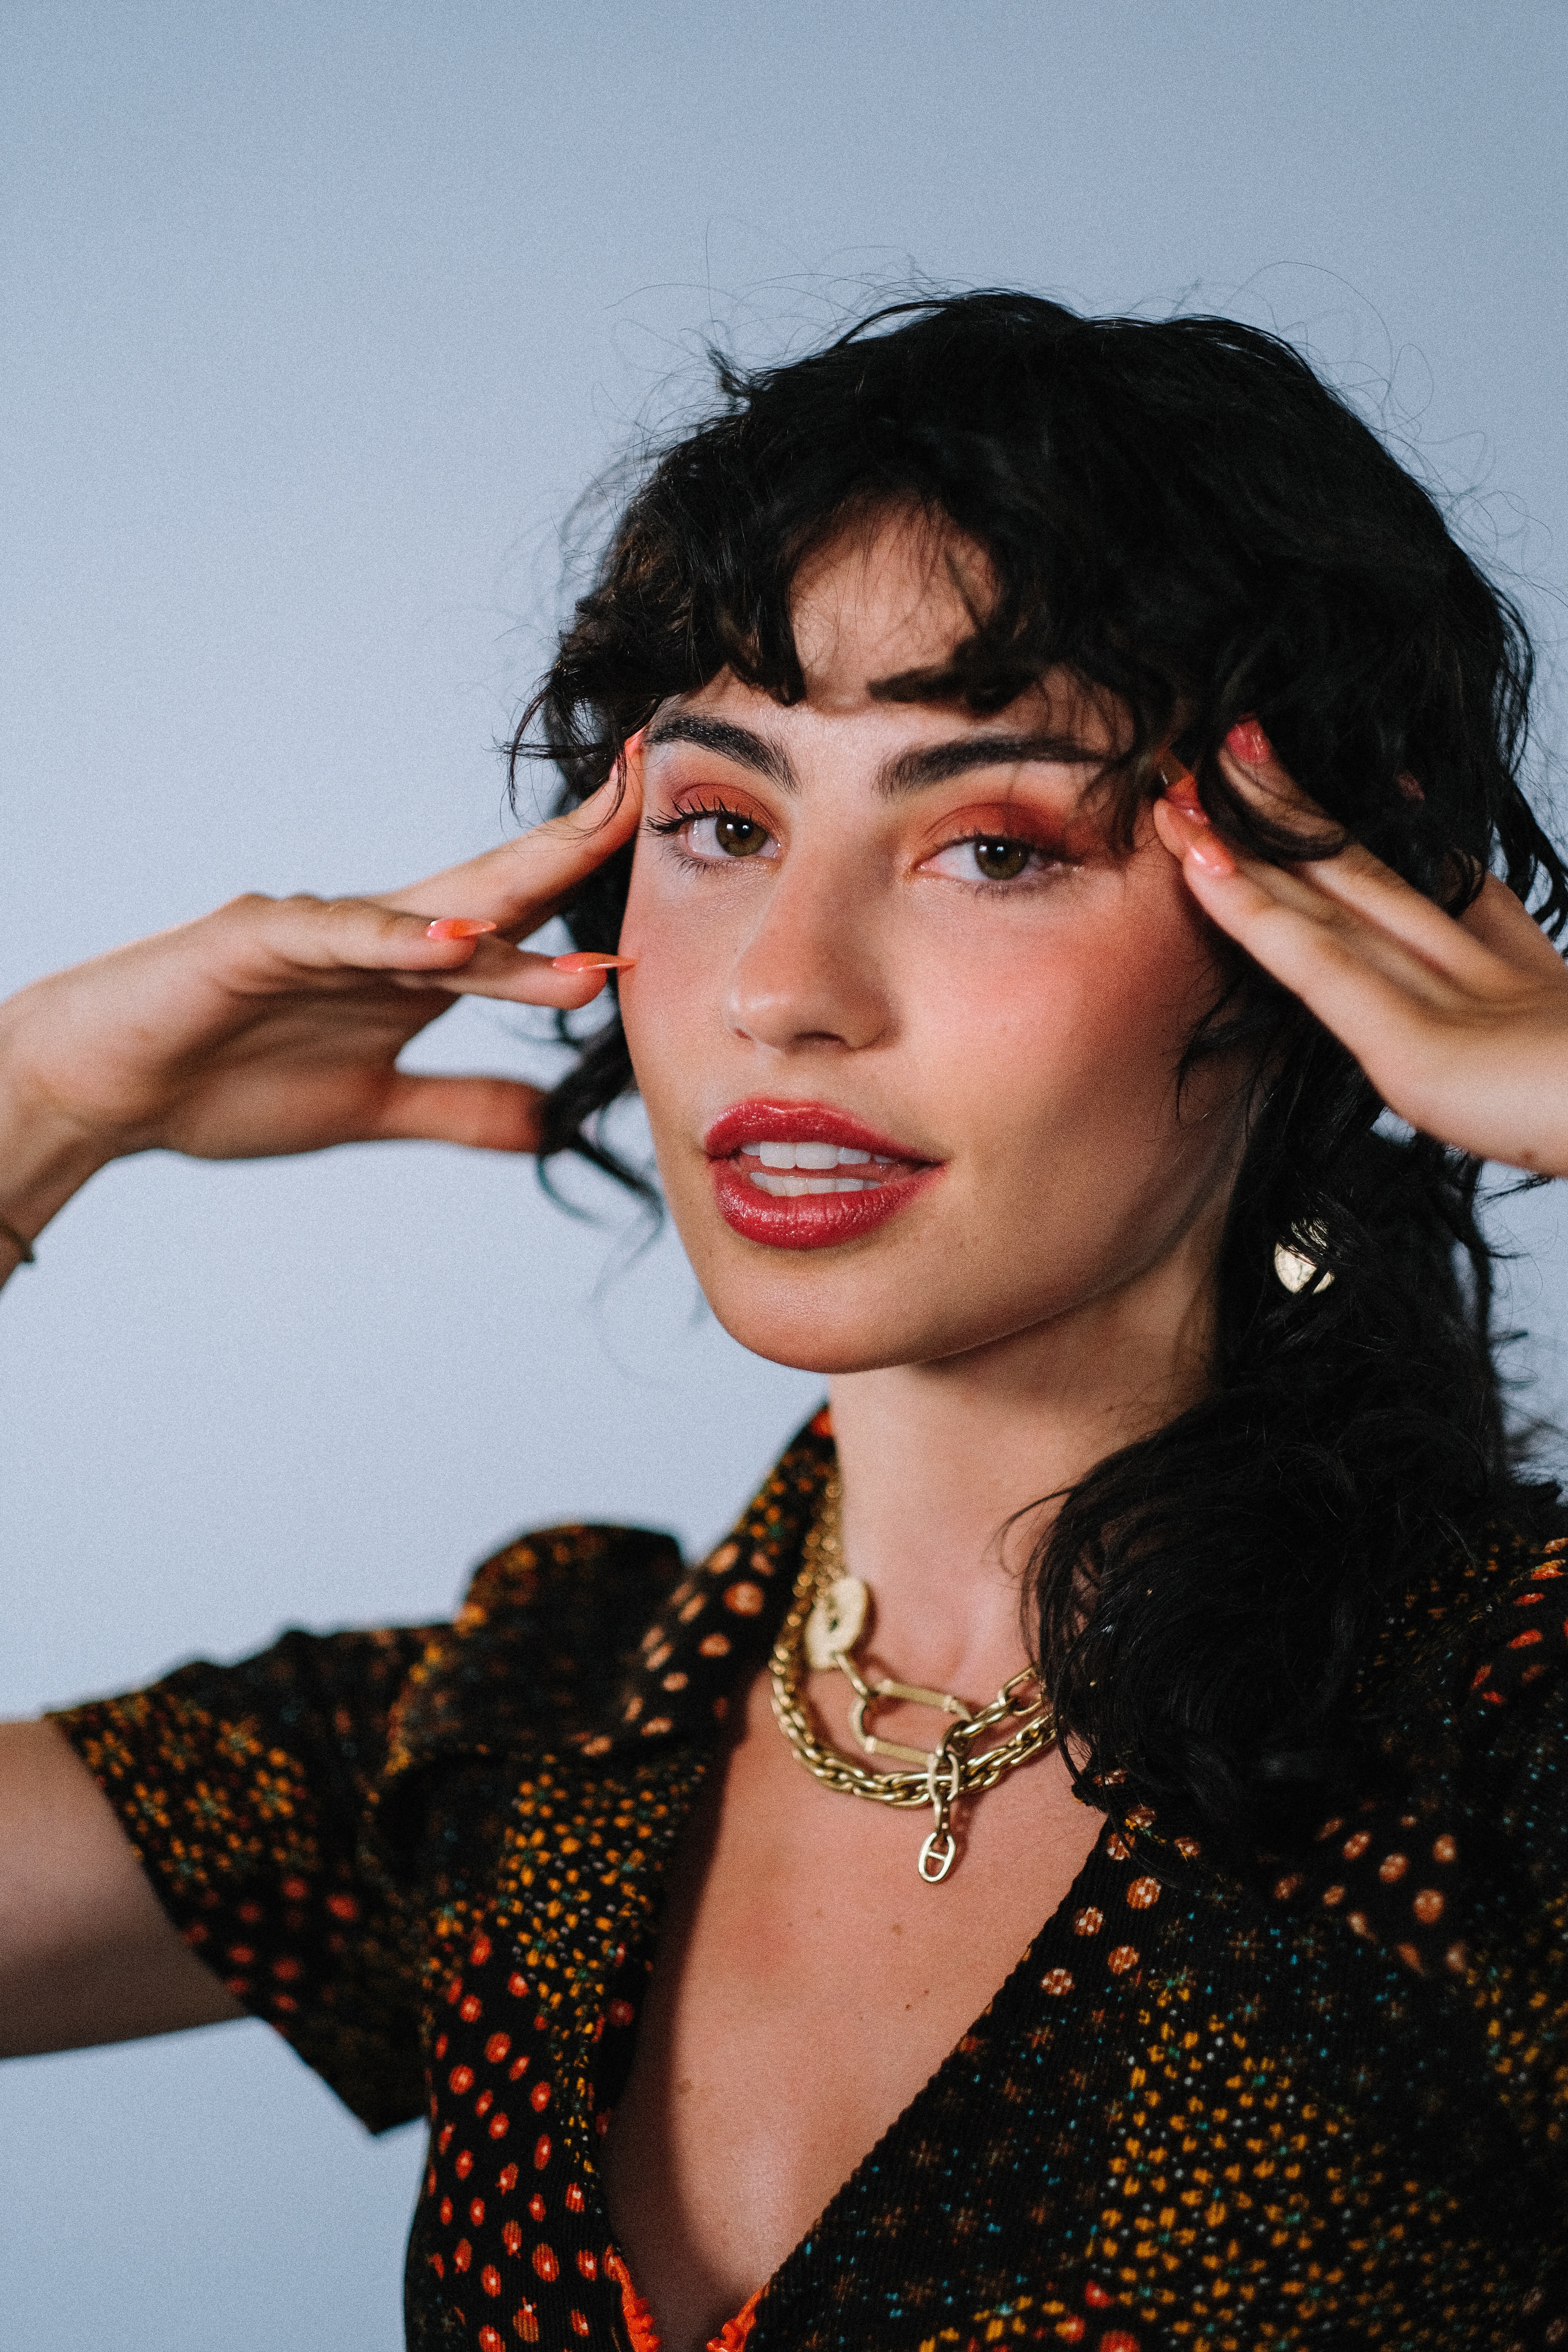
(1034, 781)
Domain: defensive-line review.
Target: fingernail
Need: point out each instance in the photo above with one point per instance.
(1182, 788)
(458, 926)
(1247, 742)
(1211, 854)
(589, 960)
(1199, 840)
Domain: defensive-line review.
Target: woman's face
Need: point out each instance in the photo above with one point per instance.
(885, 951)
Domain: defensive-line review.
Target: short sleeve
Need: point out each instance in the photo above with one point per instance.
(244, 1791)
(1459, 1869)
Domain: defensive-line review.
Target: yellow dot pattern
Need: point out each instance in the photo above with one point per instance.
(1324, 2103)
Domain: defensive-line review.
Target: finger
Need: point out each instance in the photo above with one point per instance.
(1276, 912)
(1497, 920)
(1449, 1064)
(486, 1114)
(515, 976)
(520, 885)
(1347, 984)
(1463, 952)
(1255, 770)
(348, 937)
(1353, 875)
(1183, 829)
(1358, 880)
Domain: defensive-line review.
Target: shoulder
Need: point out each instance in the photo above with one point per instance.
(1467, 1842)
(1487, 1628)
(316, 1722)
(544, 1637)
(593, 1638)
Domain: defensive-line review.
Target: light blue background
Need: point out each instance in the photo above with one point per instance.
(316, 318)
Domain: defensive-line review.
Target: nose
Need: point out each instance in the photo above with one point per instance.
(809, 974)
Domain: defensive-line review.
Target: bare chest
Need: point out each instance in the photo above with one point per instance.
(807, 1985)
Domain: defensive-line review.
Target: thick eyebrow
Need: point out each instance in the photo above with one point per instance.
(932, 763)
(936, 763)
(730, 742)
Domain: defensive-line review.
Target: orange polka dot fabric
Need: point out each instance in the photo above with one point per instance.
(1323, 2104)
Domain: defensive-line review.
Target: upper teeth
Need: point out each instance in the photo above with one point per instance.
(811, 1155)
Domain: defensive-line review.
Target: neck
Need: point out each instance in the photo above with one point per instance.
(938, 1459)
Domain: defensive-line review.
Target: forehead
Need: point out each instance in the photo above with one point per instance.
(896, 594)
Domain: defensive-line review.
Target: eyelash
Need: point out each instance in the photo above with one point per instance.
(683, 814)
(1051, 857)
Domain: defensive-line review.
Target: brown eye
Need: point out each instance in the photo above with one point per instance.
(1001, 861)
(739, 836)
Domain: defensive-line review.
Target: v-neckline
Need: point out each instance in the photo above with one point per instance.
(1057, 1925)
(1055, 1931)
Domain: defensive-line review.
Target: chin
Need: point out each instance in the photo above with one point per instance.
(824, 1346)
(850, 1317)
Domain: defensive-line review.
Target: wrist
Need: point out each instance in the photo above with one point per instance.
(17, 1244)
(45, 1158)
(38, 1174)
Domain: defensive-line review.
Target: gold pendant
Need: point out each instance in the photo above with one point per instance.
(890, 1693)
(830, 1615)
(837, 1621)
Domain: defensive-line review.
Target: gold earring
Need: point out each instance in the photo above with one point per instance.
(1294, 1267)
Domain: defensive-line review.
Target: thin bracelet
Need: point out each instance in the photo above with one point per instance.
(9, 1233)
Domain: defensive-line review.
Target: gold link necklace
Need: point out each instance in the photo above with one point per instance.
(826, 1618)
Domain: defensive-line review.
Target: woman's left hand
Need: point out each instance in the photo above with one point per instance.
(1461, 1024)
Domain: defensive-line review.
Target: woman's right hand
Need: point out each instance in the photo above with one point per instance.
(274, 1025)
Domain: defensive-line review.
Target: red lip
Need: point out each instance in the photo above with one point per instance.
(813, 1219)
(761, 1122)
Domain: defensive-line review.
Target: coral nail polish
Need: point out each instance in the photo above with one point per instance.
(588, 960)
(1182, 788)
(1247, 742)
(1199, 840)
(458, 926)
(1210, 853)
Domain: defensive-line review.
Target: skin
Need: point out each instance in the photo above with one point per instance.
(1047, 1297)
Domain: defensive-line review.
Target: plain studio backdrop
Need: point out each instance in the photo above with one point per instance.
(317, 321)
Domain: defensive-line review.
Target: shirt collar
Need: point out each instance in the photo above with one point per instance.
(598, 1641)
(717, 1625)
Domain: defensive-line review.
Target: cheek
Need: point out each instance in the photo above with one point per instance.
(681, 954)
(1085, 1022)
(636, 929)
(666, 927)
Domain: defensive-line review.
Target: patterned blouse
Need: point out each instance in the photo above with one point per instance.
(1327, 2105)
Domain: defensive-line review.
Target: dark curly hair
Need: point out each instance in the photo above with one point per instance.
(1184, 515)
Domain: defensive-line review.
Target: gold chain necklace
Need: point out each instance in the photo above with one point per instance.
(826, 1618)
